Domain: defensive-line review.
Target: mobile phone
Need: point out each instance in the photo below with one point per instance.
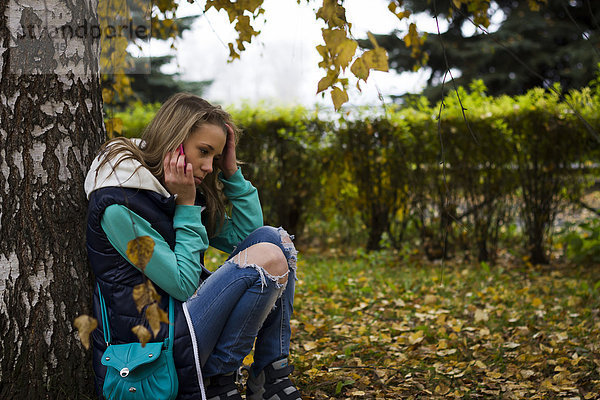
(183, 154)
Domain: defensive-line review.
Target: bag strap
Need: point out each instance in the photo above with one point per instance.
(106, 327)
(171, 337)
(104, 314)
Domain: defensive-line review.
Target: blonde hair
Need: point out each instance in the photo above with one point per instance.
(174, 122)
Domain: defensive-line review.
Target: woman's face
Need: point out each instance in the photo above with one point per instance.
(202, 147)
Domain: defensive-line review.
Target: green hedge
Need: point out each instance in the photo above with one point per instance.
(378, 178)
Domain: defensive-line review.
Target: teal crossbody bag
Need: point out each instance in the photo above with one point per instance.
(136, 372)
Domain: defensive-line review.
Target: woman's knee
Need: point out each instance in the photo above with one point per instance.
(267, 256)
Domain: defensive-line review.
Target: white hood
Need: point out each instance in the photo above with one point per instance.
(129, 174)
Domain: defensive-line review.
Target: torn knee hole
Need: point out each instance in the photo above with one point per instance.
(266, 255)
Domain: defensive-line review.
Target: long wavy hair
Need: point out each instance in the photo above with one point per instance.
(174, 122)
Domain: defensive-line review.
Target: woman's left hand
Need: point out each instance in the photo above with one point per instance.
(228, 162)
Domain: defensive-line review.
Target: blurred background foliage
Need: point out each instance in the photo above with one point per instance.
(405, 179)
(532, 45)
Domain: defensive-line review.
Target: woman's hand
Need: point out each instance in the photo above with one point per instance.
(179, 179)
(227, 162)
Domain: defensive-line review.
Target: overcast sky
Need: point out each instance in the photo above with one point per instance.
(281, 65)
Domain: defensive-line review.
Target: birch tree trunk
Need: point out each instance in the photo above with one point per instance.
(50, 127)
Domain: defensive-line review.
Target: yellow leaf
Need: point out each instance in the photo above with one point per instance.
(339, 97)
(441, 389)
(457, 3)
(412, 37)
(360, 69)
(392, 6)
(526, 373)
(376, 59)
(233, 54)
(309, 327)
(547, 385)
(430, 299)
(139, 251)
(308, 346)
(245, 30)
(249, 359)
(85, 325)
(457, 326)
(403, 14)
(323, 51)
(332, 13)
(114, 125)
(537, 302)
(534, 5)
(481, 315)
(142, 333)
(145, 294)
(372, 39)
(107, 95)
(327, 81)
(494, 374)
(155, 315)
(345, 52)
(443, 353)
(333, 38)
(416, 337)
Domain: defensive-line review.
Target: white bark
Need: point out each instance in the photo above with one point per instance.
(50, 128)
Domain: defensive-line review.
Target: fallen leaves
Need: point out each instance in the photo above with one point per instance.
(373, 330)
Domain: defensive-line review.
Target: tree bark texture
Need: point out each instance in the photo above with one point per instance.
(50, 128)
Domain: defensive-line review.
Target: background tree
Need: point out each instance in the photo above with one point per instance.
(145, 81)
(50, 128)
(158, 86)
(531, 48)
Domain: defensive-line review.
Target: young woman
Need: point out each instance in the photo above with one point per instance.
(172, 186)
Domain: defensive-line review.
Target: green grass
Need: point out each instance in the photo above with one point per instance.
(381, 326)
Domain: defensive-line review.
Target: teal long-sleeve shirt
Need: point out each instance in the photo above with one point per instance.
(178, 271)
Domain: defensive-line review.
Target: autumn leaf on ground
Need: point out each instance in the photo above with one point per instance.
(368, 321)
(416, 337)
(481, 315)
(537, 302)
(85, 325)
(308, 346)
(139, 251)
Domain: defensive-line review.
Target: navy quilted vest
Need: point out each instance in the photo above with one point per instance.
(117, 279)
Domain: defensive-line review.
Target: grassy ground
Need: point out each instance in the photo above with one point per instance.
(376, 326)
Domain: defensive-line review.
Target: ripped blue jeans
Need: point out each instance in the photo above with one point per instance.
(241, 302)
